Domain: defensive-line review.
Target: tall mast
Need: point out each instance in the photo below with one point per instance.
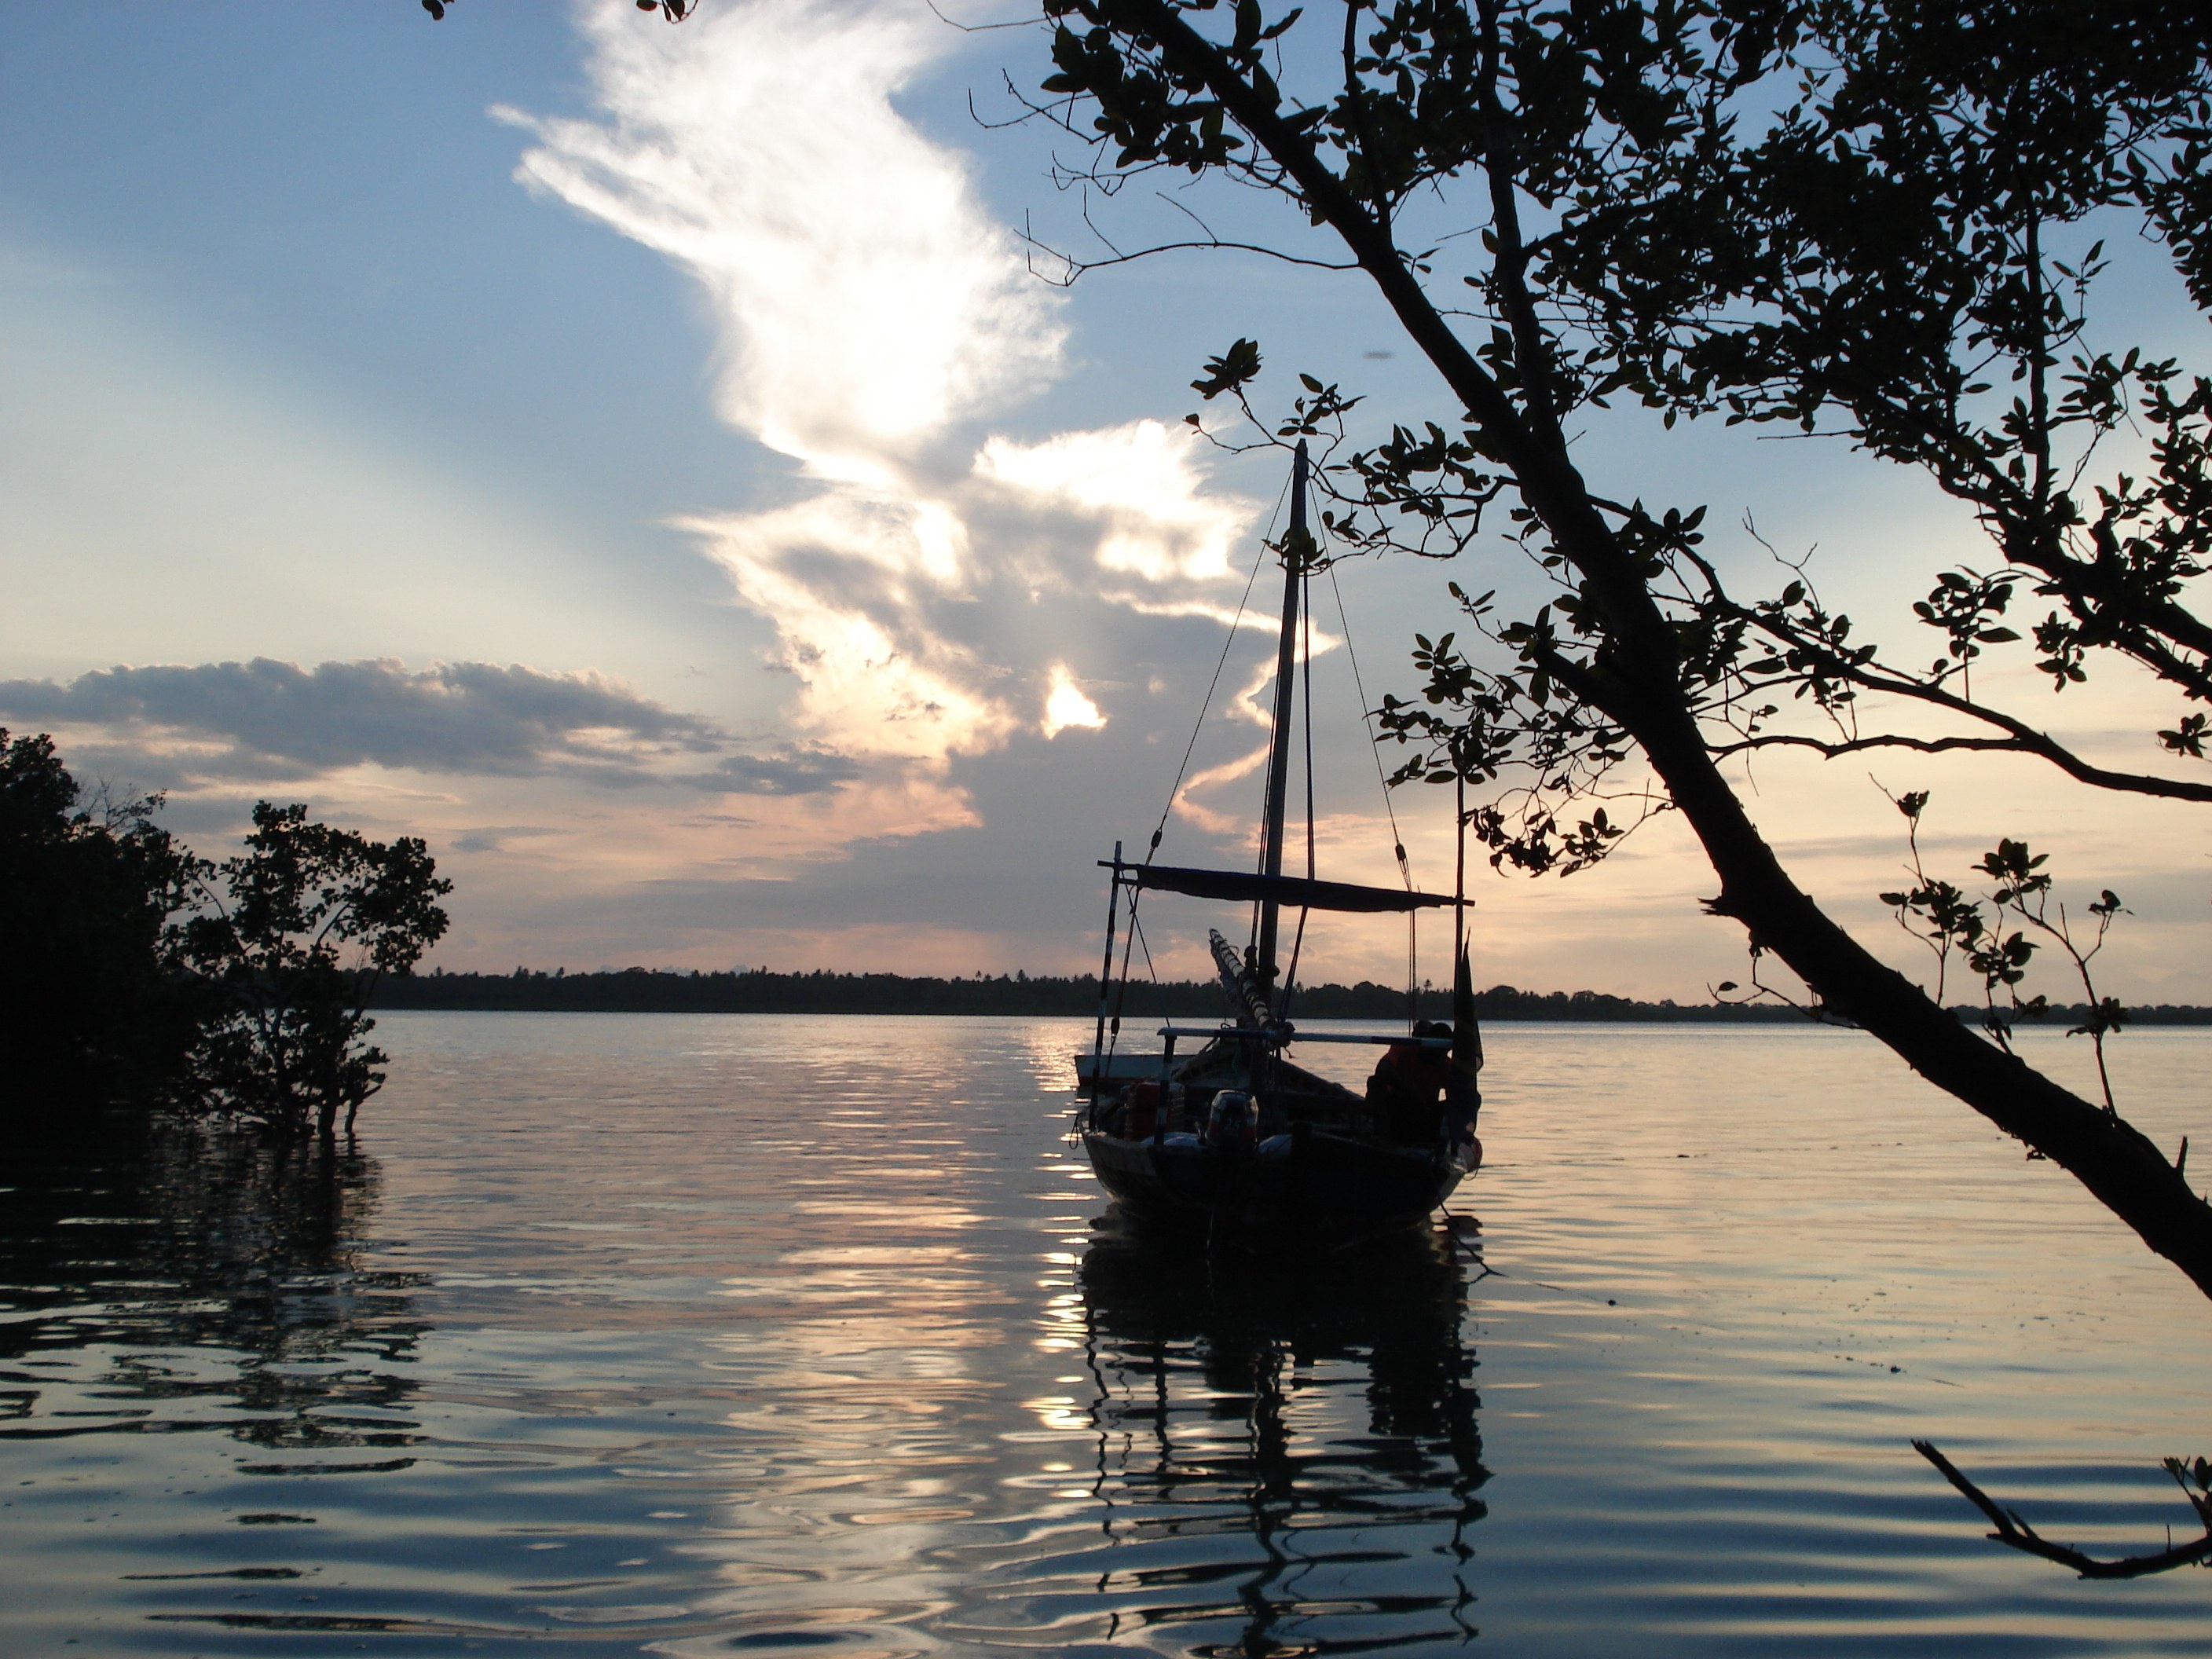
(1295, 551)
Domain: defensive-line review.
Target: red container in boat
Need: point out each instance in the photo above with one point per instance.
(1143, 1121)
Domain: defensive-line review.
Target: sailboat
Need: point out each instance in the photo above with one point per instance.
(1220, 1129)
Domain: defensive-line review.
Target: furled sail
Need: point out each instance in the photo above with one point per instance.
(1292, 892)
(1245, 995)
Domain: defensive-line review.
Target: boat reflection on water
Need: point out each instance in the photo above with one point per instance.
(157, 1276)
(1288, 1455)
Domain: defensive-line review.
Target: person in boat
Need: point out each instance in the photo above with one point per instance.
(1405, 1094)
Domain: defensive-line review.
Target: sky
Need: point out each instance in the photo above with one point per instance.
(649, 464)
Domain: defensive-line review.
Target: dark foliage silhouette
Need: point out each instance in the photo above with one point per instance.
(132, 969)
(286, 943)
(87, 881)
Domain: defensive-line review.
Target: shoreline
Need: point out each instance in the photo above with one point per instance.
(638, 990)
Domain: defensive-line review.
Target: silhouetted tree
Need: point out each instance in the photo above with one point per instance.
(130, 969)
(1869, 219)
(88, 1010)
(290, 951)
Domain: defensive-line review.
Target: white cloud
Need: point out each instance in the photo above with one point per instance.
(1236, 825)
(1138, 483)
(875, 679)
(866, 299)
(868, 308)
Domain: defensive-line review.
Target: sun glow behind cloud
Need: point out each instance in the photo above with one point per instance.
(1066, 707)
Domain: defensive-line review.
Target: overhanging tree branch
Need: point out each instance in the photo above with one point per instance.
(1167, 92)
(2015, 1534)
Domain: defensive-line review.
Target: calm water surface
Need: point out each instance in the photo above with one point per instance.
(690, 1335)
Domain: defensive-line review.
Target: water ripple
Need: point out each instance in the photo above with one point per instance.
(659, 1334)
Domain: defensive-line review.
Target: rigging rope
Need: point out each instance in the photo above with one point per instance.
(1206, 703)
(1135, 940)
(1121, 983)
(1145, 944)
(1367, 719)
(1389, 807)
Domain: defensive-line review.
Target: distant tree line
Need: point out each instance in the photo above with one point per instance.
(759, 991)
(133, 970)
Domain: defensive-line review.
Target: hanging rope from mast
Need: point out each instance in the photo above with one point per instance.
(1389, 806)
(1206, 703)
(1303, 553)
(1367, 720)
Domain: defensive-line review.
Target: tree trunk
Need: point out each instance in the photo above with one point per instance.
(2109, 1156)
(1635, 682)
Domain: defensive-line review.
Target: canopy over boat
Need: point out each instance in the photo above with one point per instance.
(1290, 892)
